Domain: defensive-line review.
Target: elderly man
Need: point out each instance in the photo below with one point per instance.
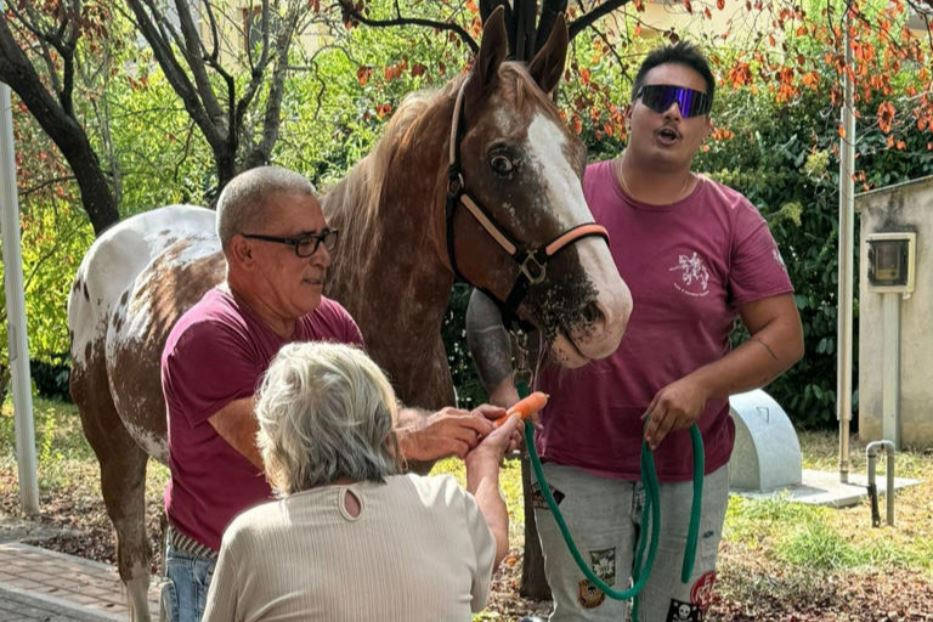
(277, 246)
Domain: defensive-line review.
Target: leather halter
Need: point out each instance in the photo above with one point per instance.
(532, 261)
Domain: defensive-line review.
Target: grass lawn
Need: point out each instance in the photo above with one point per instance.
(778, 560)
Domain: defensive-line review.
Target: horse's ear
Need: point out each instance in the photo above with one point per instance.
(493, 49)
(548, 64)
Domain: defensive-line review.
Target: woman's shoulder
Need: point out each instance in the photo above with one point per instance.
(259, 518)
(431, 490)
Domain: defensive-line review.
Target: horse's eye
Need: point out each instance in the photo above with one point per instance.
(502, 165)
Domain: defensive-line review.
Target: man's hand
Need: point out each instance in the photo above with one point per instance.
(675, 407)
(448, 432)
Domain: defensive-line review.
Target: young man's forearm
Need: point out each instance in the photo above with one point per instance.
(755, 363)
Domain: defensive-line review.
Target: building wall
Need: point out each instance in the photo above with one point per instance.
(905, 207)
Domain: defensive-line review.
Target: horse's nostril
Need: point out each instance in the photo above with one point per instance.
(592, 313)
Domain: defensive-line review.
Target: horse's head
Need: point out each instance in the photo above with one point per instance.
(518, 224)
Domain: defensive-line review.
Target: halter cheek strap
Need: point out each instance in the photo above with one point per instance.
(532, 261)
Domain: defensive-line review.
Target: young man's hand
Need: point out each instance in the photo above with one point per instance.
(675, 407)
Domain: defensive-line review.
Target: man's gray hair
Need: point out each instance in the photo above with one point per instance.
(326, 411)
(243, 200)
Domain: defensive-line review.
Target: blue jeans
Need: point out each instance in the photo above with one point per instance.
(184, 591)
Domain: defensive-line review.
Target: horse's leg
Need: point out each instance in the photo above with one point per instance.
(122, 480)
(123, 484)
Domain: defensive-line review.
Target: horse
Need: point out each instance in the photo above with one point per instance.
(479, 179)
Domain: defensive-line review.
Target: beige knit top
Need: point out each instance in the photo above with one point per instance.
(418, 550)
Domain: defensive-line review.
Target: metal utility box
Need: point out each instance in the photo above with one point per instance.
(895, 346)
(892, 262)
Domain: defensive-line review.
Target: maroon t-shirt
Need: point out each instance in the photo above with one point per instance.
(217, 353)
(688, 266)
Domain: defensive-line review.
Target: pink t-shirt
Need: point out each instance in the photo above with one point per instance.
(688, 266)
(216, 353)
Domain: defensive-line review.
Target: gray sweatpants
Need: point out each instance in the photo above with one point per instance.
(604, 517)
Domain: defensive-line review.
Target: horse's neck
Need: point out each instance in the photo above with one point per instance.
(388, 269)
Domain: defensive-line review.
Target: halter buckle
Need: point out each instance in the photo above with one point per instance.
(534, 270)
(455, 183)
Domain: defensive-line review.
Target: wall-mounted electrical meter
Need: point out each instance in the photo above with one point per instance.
(892, 261)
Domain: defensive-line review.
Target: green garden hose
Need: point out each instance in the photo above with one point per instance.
(642, 566)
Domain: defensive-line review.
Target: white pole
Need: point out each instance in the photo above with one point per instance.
(891, 369)
(846, 258)
(16, 311)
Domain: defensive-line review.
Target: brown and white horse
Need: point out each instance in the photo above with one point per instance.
(515, 188)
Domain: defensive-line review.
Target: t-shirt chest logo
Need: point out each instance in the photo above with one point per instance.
(692, 277)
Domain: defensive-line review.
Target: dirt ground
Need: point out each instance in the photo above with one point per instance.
(758, 590)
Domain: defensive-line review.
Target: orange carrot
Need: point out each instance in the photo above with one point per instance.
(526, 407)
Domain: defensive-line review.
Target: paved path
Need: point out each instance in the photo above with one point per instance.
(38, 584)
(24, 607)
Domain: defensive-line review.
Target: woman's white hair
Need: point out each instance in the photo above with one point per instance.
(326, 411)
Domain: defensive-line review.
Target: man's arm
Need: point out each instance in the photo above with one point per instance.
(491, 349)
(776, 343)
(450, 431)
(422, 435)
(236, 423)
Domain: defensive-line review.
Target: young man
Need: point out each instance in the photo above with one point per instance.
(695, 255)
(277, 246)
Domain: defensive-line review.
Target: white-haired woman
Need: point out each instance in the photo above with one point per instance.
(351, 538)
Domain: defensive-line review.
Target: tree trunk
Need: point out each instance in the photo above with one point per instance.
(534, 584)
(96, 193)
(226, 168)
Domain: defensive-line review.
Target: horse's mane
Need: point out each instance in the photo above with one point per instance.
(355, 200)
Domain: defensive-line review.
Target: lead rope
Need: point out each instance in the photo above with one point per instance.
(641, 566)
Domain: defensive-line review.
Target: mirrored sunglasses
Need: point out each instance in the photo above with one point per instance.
(659, 98)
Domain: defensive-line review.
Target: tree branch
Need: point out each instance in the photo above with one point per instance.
(214, 55)
(174, 72)
(350, 11)
(550, 9)
(194, 56)
(262, 153)
(25, 192)
(64, 130)
(259, 69)
(589, 18)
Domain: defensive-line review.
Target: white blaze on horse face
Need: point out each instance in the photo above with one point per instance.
(564, 198)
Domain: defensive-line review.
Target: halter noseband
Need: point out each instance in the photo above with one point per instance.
(532, 262)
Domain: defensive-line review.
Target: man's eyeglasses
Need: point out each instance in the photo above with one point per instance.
(659, 98)
(304, 246)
